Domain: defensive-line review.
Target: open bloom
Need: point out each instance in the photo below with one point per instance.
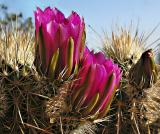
(95, 86)
(60, 41)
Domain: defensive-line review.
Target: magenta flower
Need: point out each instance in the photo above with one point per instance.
(60, 41)
(95, 86)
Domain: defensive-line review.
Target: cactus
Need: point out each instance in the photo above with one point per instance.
(52, 83)
(134, 106)
(125, 50)
(23, 91)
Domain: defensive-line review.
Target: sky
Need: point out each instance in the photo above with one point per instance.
(101, 15)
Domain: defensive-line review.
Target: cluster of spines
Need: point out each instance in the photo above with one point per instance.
(132, 106)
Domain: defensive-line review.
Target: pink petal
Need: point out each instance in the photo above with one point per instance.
(59, 16)
(109, 93)
(38, 19)
(90, 83)
(87, 57)
(98, 81)
(47, 43)
(66, 32)
(52, 29)
(78, 39)
(74, 18)
(81, 77)
(99, 58)
(109, 65)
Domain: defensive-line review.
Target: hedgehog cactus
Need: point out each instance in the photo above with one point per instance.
(18, 82)
(95, 86)
(144, 78)
(60, 41)
(139, 72)
(31, 103)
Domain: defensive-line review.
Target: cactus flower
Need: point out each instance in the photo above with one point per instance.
(60, 41)
(95, 86)
(144, 73)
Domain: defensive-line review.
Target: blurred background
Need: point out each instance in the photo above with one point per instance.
(101, 16)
